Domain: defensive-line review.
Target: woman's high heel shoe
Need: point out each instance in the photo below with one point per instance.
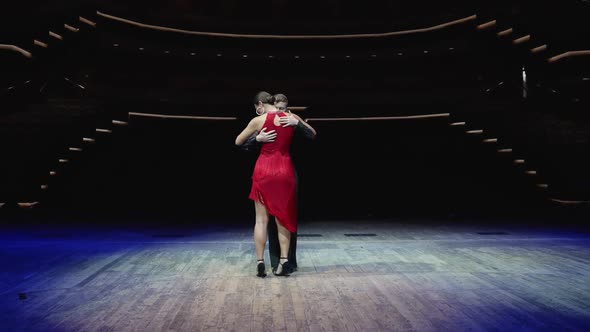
(260, 269)
(283, 269)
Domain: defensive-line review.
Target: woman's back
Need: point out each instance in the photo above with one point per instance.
(282, 143)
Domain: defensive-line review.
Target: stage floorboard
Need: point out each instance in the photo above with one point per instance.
(386, 276)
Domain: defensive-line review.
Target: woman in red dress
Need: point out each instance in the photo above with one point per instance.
(273, 179)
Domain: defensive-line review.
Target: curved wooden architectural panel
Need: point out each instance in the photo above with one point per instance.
(14, 48)
(567, 55)
(269, 36)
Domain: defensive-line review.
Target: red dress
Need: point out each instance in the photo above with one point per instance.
(273, 179)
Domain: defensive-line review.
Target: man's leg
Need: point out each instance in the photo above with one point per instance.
(274, 248)
(292, 250)
(293, 243)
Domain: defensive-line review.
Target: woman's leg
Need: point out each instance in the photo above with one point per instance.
(284, 239)
(260, 234)
(274, 249)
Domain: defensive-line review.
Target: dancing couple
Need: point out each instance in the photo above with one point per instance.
(274, 179)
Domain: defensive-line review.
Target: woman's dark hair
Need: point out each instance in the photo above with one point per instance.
(279, 97)
(264, 97)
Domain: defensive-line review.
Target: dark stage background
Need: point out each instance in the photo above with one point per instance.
(172, 170)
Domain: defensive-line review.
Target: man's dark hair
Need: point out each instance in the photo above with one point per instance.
(279, 97)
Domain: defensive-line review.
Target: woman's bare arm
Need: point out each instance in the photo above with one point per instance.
(252, 127)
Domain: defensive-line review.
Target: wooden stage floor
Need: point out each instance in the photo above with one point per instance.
(407, 277)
